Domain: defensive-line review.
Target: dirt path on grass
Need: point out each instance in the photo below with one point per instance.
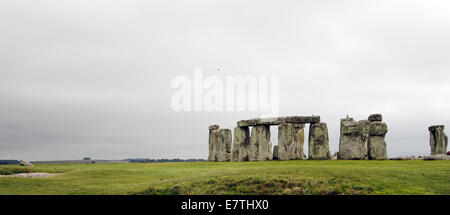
(30, 175)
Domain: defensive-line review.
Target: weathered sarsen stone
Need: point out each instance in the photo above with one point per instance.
(279, 120)
(260, 145)
(352, 144)
(213, 143)
(375, 117)
(377, 145)
(288, 145)
(318, 146)
(225, 139)
(241, 144)
(219, 144)
(438, 140)
(300, 133)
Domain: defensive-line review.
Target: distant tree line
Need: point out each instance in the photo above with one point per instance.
(163, 160)
(2, 162)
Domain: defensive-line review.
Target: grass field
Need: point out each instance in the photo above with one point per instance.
(270, 177)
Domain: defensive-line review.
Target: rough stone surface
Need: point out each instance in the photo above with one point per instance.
(25, 163)
(318, 147)
(260, 143)
(214, 127)
(275, 152)
(375, 117)
(288, 145)
(241, 144)
(352, 143)
(377, 129)
(225, 139)
(438, 140)
(300, 133)
(437, 157)
(213, 144)
(279, 120)
(435, 127)
(377, 148)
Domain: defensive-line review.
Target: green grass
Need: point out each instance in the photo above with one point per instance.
(269, 177)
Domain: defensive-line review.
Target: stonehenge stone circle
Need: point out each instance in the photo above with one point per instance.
(353, 139)
(260, 143)
(376, 145)
(359, 140)
(318, 147)
(438, 140)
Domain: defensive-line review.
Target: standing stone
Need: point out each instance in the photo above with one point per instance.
(377, 145)
(364, 126)
(438, 140)
(260, 143)
(275, 153)
(318, 142)
(300, 133)
(288, 145)
(225, 139)
(241, 144)
(353, 141)
(213, 143)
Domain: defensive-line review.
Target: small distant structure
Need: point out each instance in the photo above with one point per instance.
(87, 158)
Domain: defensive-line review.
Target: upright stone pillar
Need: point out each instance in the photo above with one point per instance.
(241, 144)
(275, 153)
(288, 145)
(260, 145)
(377, 145)
(300, 133)
(352, 142)
(213, 143)
(225, 139)
(318, 146)
(438, 140)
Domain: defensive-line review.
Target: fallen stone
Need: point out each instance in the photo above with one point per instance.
(436, 157)
(318, 147)
(25, 163)
(375, 118)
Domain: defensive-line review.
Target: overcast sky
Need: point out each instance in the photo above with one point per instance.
(92, 78)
